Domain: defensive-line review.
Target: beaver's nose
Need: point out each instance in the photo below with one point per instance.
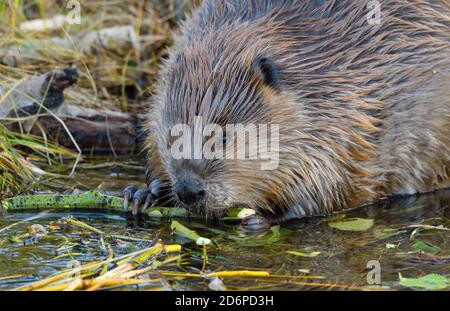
(189, 192)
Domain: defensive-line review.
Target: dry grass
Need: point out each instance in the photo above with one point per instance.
(109, 78)
(113, 78)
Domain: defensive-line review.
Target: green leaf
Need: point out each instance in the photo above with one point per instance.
(352, 224)
(180, 229)
(13, 238)
(425, 247)
(429, 281)
(304, 254)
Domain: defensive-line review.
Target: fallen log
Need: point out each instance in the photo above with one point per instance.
(29, 96)
(95, 131)
(31, 105)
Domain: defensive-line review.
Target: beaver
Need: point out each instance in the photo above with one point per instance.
(362, 105)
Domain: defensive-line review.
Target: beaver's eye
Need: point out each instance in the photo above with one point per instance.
(267, 72)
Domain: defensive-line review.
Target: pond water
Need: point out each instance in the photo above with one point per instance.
(342, 263)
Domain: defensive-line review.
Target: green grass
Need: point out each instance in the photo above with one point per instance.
(17, 152)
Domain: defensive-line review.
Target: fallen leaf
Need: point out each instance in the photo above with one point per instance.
(385, 233)
(429, 281)
(352, 224)
(425, 247)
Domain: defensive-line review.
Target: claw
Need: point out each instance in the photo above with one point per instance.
(141, 196)
(135, 207)
(147, 202)
(128, 194)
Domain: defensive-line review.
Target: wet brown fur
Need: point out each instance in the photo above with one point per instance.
(364, 110)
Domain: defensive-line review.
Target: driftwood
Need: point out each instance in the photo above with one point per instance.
(29, 96)
(93, 130)
(36, 105)
(99, 131)
(31, 105)
(119, 38)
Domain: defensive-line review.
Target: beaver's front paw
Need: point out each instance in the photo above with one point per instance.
(255, 223)
(141, 198)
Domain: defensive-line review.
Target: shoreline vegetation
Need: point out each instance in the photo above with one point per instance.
(76, 86)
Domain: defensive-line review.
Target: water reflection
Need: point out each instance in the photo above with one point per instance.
(343, 255)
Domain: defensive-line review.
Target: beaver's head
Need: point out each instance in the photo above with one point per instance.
(215, 127)
(241, 78)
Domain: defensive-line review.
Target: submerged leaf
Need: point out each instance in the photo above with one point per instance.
(385, 233)
(425, 247)
(352, 224)
(271, 237)
(429, 281)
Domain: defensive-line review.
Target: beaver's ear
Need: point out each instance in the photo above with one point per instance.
(265, 70)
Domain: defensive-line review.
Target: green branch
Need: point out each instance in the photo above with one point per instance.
(94, 199)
